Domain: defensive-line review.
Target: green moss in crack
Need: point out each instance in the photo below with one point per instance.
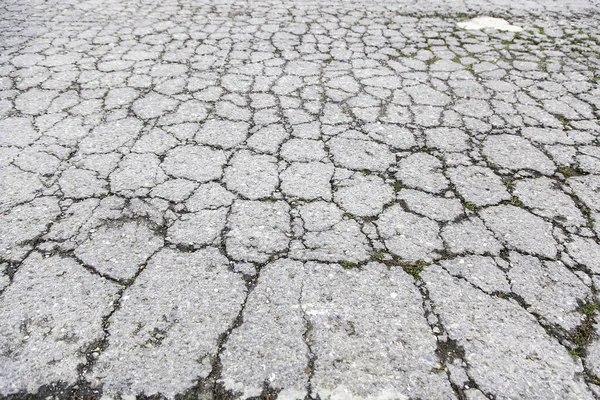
(571, 170)
(415, 269)
(515, 201)
(347, 264)
(471, 206)
(589, 309)
(379, 255)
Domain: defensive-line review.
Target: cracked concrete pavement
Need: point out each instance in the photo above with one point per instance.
(299, 200)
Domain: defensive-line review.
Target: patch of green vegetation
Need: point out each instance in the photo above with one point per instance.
(564, 121)
(575, 352)
(379, 255)
(589, 309)
(415, 269)
(397, 186)
(585, 333)
(433, 60)
(587, 213)
(515, 201)
(471, 206)
(509, 185)
(277, 51)
(349, 216)
(347, 264)
(329, 60)
(571, 170)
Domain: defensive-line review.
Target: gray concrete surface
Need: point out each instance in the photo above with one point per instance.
(299, 200)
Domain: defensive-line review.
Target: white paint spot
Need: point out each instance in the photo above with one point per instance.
(489, 22)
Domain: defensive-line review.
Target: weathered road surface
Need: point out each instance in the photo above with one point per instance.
(299, 200)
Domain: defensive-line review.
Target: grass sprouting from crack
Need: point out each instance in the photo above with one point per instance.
(415, 269)
(571, 170)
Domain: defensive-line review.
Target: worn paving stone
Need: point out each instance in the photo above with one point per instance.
(520, 229)
(360, 154)
(550, 288)
(51, 312)
(363, 195)
(545, 198)
(478, 185)
(422, 171)
(307, 180)
(118, 250)
(252, 175)
(470, 236)
(351, 348)
(164, 346)
(505, 349)
(299, 199)
(272, 334)
(198, 163)
(516, 153)
(257, 230)
(23, 224)
(409, 236)
(199, 228)
(479, 271)
(437, 208)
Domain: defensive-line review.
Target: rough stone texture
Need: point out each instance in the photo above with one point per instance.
(422, 171)
(585, 251)
(23, 224)
(360, 154)
(521, 230)
(52, 309)
(252, 176)
(479, 271)
(118, 250)
(200, 228)
(478, 185)
(550, 288)
(409, 236)
(257, 230)
(197, 163)
(587, 188)
(272, 334)
(506, 350)
(343, 241)
(172, 315)
(363, 195)
(515, 153)
(307, 181)
(360, 359)
(470, 236)
(193, 195)
(437, 208)
(546, 199)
